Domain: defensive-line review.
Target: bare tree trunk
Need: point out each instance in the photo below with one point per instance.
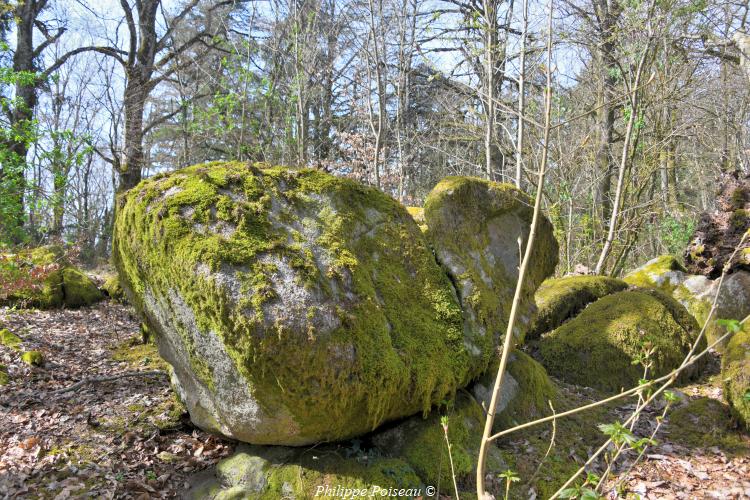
(521, 95)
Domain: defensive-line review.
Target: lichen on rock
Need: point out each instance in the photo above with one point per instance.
(299, 307)
(559, 300)
(478, 230)
(598, 348)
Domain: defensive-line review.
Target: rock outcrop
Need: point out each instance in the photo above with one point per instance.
(297, 307)
(719, 232)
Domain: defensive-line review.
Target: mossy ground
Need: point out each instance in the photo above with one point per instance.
(139, 355)
(703, 423)
(561, 299)
(598, 348)
(409, 346)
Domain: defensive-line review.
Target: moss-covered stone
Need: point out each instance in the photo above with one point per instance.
(598, 348)
(9, 339)
(697, 292)
(417, 214)
(525, 395)
(78, 289)
(560, 299)
(33, 358)
(113, 288)
(410, 455)
(313, 299)
(4, 377)
(736, 374)
(478, 229)
(664, 272)
(62, 283)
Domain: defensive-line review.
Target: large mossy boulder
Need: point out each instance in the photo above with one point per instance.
(295, 306)
(49, 280)
(478, 230)
(697, 292)
(735, 374)
(560, 299)
(600, 347)
(410, 455)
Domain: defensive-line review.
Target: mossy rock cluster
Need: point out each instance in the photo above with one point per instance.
(736, 374)
(410, 455)
(561, 299)
(65, 285)
(113, 288)
(602, 345)
(298, 307)
(697, 292)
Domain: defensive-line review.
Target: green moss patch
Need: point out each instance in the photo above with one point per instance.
(736, 375)
(4, 377)
(598, 348)
(139, 355)
(560, 299)
(33, 358)
(10, 339)
(113, 288)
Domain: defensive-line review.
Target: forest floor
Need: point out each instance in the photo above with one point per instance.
(122, 434)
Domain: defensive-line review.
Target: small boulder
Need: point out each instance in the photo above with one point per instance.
(113, 288)
(599, 346)
(478, 230)
(736, 374)
(560, 299)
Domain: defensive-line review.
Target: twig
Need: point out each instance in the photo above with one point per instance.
(110, 378)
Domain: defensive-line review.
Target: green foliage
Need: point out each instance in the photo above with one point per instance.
(675, 232)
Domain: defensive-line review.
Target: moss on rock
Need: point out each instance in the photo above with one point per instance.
(736, 374)
(527, 389)
(78, 289)
(4, 377)
(113, 288)
(62, 285)
(477, 229)
(410, 455)
(9, 339)
(33, 358)
(598, 348)
(560, 299)
(664, 272)
(234, 264)
(417, 213)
